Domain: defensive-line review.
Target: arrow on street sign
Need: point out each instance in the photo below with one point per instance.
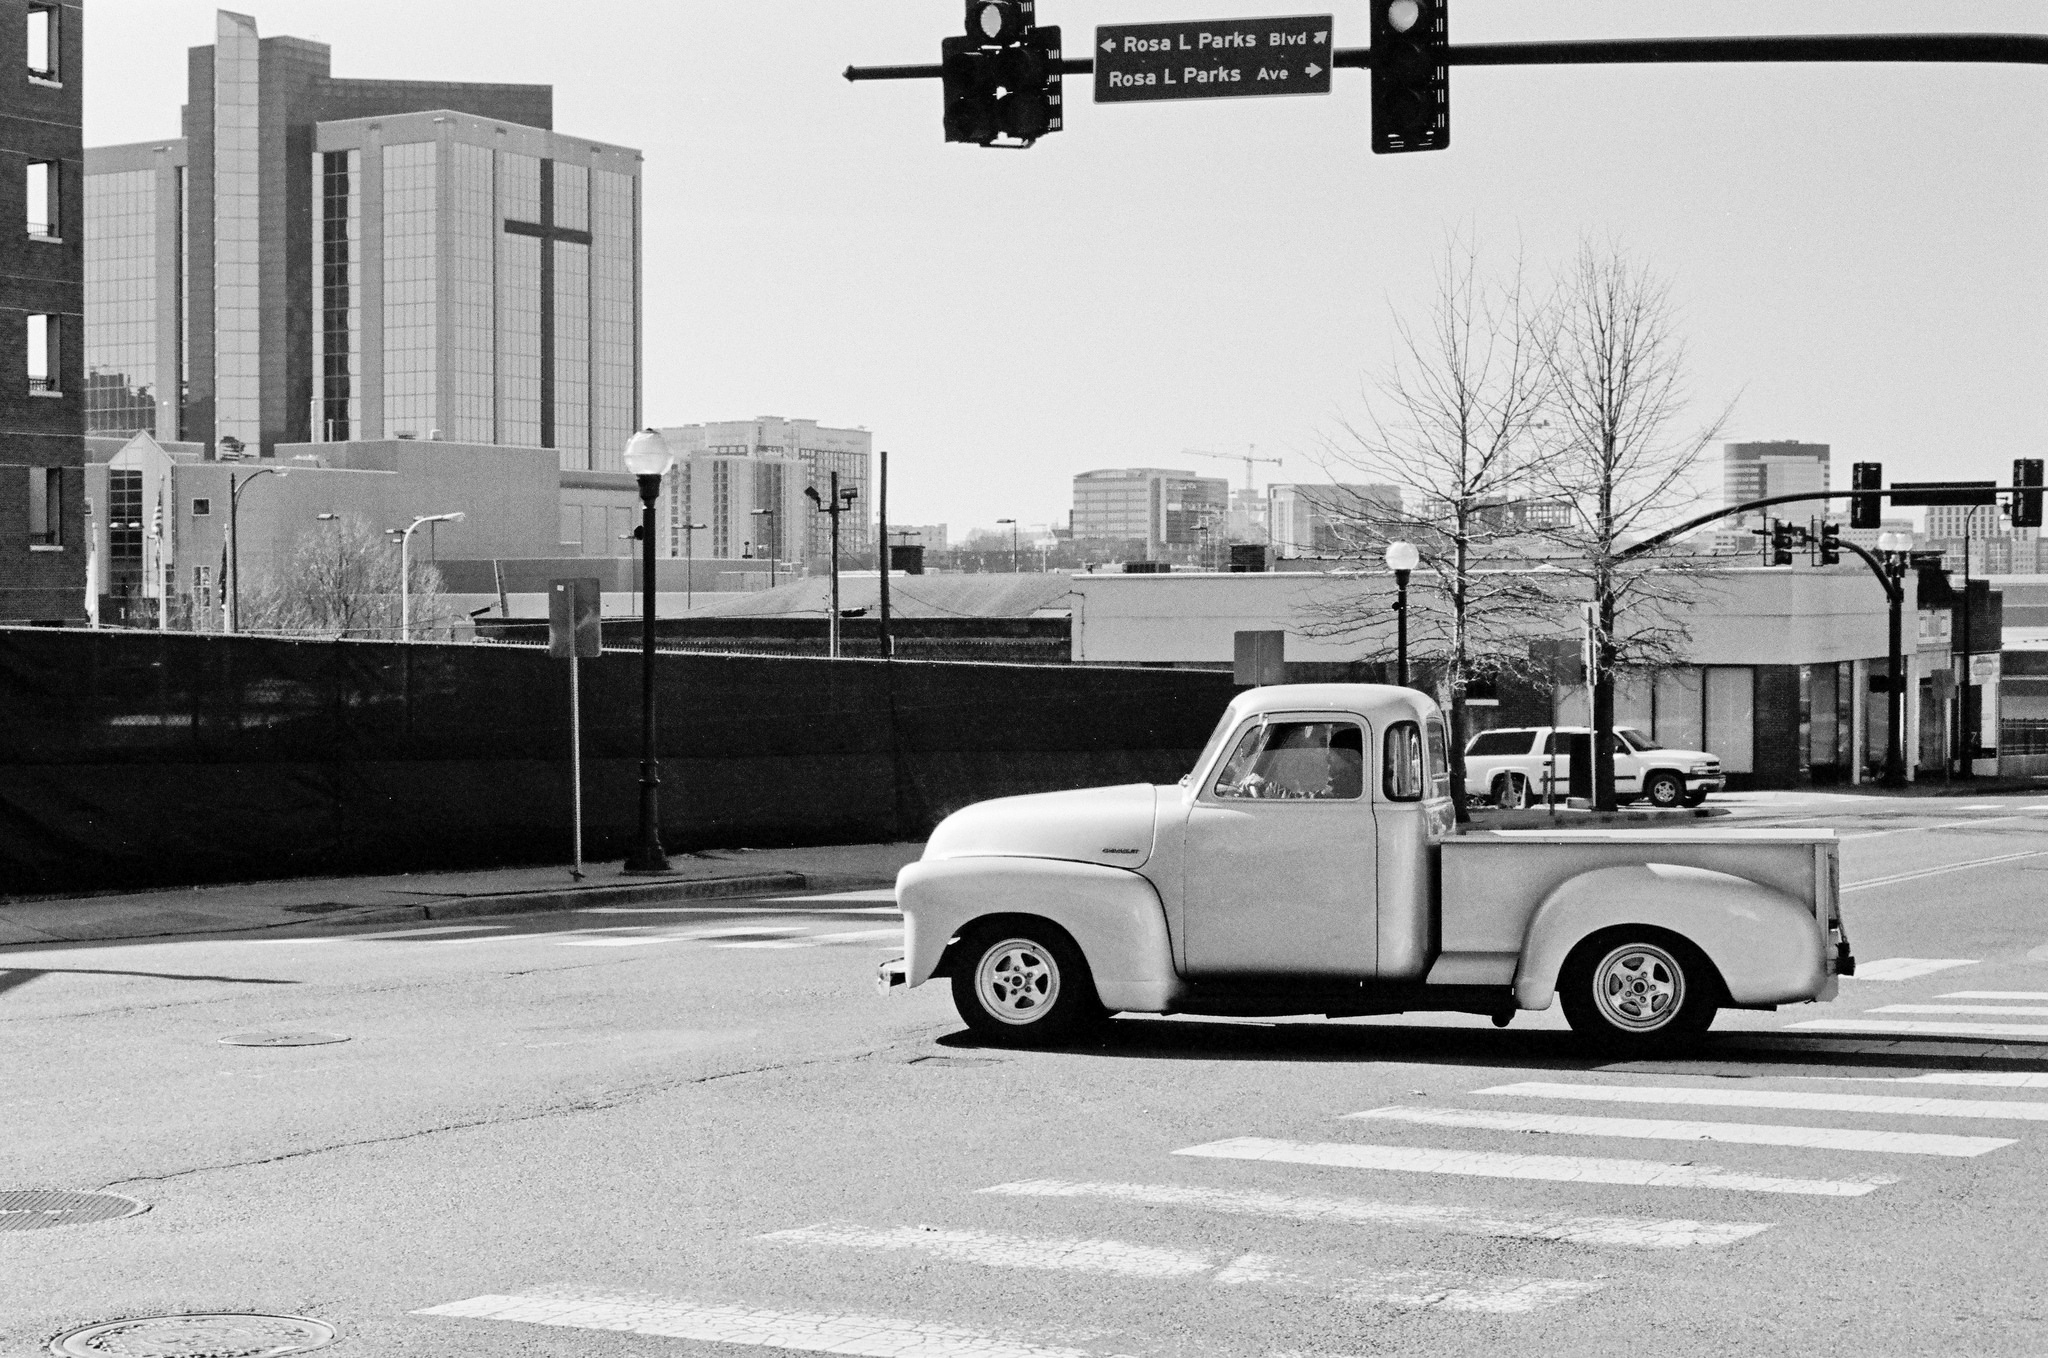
(1213, 59)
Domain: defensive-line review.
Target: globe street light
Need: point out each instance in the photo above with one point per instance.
(405, 568)
(648, 459)
(1401, 559)
(1895, 548)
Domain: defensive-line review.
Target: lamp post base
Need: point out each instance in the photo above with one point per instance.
(647, 856)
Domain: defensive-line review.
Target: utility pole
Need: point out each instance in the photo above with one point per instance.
(837, 503)
(882, 554)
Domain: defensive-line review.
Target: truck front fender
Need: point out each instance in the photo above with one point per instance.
(1113, 915)
(1766, 945)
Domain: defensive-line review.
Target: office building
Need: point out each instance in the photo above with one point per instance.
(1174, 513)
(1330, 520)
(43, 545)
(321, 259)
(1754, 471)
(744, 480)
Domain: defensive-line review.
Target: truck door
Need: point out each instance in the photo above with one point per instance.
(1279, 857)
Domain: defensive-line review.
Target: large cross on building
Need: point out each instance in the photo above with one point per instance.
(549, 233)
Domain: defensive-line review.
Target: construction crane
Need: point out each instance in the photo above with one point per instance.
(1246, 457)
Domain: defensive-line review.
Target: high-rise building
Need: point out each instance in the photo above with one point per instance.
(321, 259)
(43, 545)
(1754, 471)
(1164, 508)
(744, 480)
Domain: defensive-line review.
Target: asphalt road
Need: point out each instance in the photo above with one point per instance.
(701, 1131)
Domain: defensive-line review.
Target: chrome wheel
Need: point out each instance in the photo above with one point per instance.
(1639, 988)
(1017, 981)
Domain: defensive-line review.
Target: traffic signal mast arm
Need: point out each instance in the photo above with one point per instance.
(2029, 49)
(1651, 544)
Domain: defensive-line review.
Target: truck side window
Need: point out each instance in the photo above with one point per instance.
(1296, 761)
(1403, 779)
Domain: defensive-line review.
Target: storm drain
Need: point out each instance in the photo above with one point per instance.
(202, 1336)
(36, 1209)
(297, 1038)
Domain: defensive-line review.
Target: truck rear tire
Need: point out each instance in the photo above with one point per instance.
(1638, 990)
(1023, 983)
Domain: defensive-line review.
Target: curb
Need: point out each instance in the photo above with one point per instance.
(568, 898)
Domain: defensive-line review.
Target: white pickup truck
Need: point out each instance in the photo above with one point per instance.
(1308, 866)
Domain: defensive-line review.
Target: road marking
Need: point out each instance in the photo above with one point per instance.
(887, 893)
(2016, 1010)
(1658, 1129)
(802, 1331)
(2003, 1079)
(421, 933)
(813, 940)
(1979, 806)
(2028, 1032)
(1995, 995)
(1638, 1232)
(687, 936)
(1411, 1289)
(1780, 1098)
(1000, 1250)
(1503, 1165)
(1906, 968)
(1918, 873)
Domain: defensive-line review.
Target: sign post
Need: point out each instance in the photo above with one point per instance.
(575, 629)
(1212, 59)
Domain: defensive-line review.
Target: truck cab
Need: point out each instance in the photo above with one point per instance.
(1308, 865)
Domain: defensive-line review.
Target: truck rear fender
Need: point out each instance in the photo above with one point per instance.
(1113, 915)
(1766, 945)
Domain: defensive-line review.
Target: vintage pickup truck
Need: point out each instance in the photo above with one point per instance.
(1308, 865)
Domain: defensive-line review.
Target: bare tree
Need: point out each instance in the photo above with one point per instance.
(342, 581)
(1617, 398)
(1451, 424)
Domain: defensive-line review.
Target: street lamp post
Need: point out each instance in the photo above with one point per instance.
(1401, 559)
(235, 489)
(690, 531)
(648, 459)
(1896, 549)
(1013, 542)
(837, 503)
(773, 541)
(405, 568)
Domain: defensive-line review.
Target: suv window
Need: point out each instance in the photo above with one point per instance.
(1296, 761)
(1493, 743)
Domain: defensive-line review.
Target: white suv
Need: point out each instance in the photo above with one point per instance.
(1518, 766)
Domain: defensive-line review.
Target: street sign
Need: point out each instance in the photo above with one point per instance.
(1212, 59)
(573, 625)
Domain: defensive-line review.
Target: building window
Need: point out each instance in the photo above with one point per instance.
(42, 353)
(42, 41)
(45, 507)
(201, 506)
(42, 200)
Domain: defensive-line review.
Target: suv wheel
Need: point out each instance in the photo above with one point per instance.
(1664, 789)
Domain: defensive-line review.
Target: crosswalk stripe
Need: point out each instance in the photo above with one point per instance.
(1506, 1165)
(2032, 1032)
(1411, 1289)
(1906, 968)
(801, 1331)
(2016, 1010)
(1995, 995)
(1658, 1129)
(1635, 1232)
(2015, 1109)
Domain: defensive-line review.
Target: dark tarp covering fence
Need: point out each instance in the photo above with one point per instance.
(133, 759)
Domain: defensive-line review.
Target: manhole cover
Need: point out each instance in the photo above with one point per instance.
(36, 1209)
(207, 1336)
(306, 1038)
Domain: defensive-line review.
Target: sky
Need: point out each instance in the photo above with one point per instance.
(1854, 250)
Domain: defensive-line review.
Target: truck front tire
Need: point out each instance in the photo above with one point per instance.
(1638, 990)
(1023, 983)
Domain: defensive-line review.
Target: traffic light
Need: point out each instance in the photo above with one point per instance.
(1002, 79)
(1830, 543)
(2026, 498)
(1866, 511)
(1784, 538)
(1411, 85)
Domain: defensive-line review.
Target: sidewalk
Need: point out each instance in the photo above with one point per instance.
(409, 897)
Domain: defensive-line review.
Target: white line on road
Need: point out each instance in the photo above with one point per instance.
(1636, 1232)
(2015, 1010)
(812, 940)
(2003, 1079)
(1994, 995)
(2026, 1032)
(1503, 1165)
(1412, 1289)
(582, 940)
(1918, 873)
(1659, 1129)
(802, 1331)
(1906, 968)
(1780, 1098)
